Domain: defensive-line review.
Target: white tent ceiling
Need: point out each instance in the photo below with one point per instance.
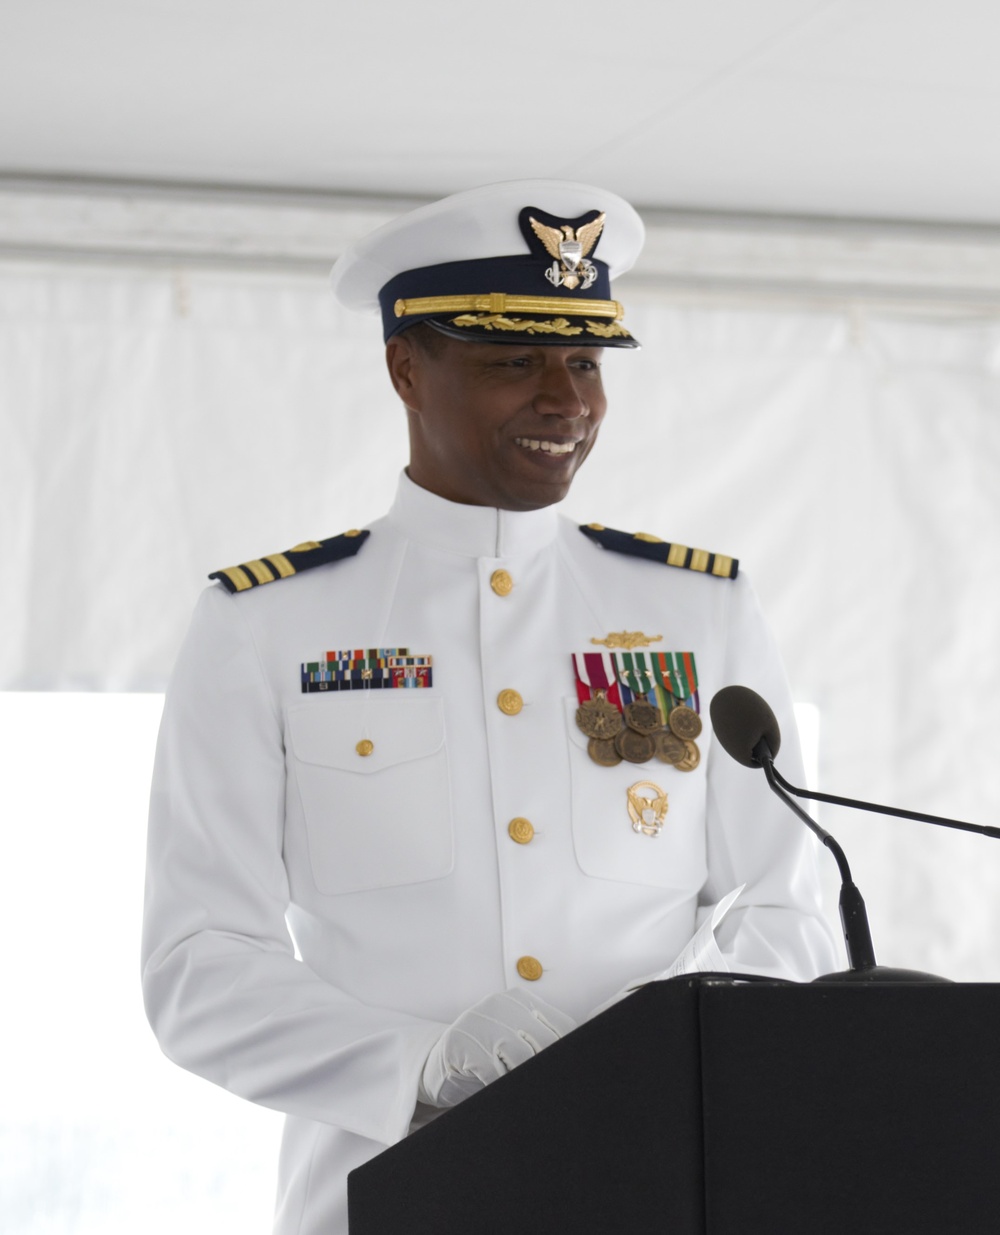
(874, 108)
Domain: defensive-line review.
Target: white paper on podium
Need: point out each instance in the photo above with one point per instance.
(701, 954)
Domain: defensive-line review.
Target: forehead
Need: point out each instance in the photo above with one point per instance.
(462, 353)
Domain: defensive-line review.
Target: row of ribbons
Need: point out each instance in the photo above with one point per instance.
(367, 669)
(667, 679)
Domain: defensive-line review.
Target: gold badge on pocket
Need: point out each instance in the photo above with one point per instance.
(647, 807)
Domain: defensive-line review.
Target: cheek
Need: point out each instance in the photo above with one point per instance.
(473, 444)
(598, 407)
(582, 458)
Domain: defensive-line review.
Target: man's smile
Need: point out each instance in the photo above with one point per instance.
(549, 447)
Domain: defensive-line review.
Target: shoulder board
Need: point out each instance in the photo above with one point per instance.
(641, 544)
(292, 562)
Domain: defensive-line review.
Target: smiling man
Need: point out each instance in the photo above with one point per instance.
(458, 756)
(537, 413)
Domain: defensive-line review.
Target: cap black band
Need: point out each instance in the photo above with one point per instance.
(522, 274)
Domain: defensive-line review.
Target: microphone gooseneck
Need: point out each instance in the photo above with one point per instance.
(853, 913)
(897, 812)
(748, 731)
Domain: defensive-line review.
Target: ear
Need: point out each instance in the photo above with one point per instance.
(402, 360)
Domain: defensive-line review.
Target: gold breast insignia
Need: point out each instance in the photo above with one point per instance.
(647, 807)
(627, 639)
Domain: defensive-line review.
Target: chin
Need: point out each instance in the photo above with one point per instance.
(517, 491)
(536, 498)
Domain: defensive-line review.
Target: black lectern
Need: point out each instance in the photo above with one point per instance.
(716, 1109)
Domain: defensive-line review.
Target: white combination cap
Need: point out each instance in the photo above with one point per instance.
(504, 263)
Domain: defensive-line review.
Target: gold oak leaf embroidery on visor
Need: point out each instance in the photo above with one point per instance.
(490, 321)
(559, 325)
(608, 330)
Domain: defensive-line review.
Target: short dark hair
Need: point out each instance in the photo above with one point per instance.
(426, 339)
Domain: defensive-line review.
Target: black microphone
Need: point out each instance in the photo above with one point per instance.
(741, 719)
(748, 731)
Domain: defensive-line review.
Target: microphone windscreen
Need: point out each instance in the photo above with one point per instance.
(740, 718)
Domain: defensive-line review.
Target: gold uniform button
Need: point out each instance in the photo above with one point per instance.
(501, 583)
(509, 702)
(529, 968)
(520, 830)
(365, 747)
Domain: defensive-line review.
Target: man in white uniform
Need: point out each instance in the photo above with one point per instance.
(457, 756)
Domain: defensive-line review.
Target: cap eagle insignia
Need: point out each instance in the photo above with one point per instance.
(570, 268)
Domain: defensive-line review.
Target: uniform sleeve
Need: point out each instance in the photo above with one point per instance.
(778, 926)
(224, 992)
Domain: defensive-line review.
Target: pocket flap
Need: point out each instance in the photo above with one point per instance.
(327, 731)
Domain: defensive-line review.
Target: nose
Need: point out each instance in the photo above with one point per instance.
(559, 392)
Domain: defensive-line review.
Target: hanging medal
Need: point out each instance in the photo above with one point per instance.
(677, 691)
(597, 716)
(640, 715)
(670, 748)
(635, 743)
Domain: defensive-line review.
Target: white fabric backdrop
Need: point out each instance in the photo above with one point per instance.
(160, 424)
(157, 425)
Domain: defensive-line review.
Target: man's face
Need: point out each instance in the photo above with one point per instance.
(498, 424)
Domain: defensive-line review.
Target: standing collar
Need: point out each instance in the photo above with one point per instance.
(473, 531)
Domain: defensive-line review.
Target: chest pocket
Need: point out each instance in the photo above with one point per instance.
(603, 839)
(376, 820)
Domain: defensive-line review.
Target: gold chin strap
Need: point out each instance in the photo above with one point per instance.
(500, 302)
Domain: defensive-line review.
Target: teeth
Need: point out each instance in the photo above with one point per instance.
(552, 448)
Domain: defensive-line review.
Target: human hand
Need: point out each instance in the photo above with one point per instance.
(487, 1041)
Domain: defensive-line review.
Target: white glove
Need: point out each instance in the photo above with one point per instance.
(486, 1041)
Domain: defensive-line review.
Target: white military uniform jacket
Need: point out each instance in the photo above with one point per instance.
(407, 897)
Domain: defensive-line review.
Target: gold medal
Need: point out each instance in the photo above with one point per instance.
(684, 722)
(602, 751)
(598, 718)
(670, 748)
(691, 760)
(634, 747)
(642, 716)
